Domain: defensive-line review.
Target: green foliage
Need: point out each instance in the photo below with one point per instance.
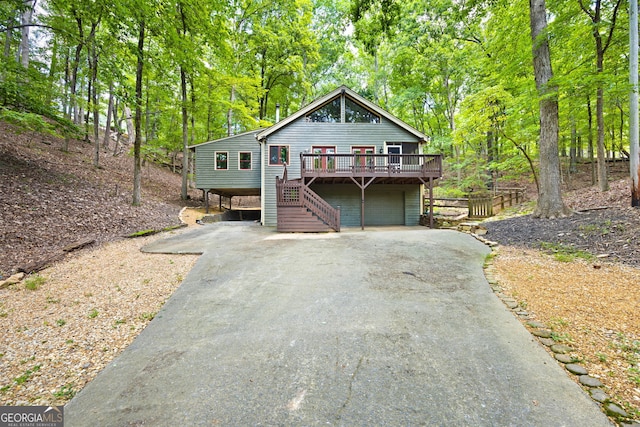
(34, 282)
(565, 253)
(26, 375)
(65, 392)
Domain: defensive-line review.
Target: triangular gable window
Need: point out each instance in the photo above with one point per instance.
(342, 109)
(328, 113)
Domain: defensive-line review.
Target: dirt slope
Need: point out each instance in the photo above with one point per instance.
(50, 199)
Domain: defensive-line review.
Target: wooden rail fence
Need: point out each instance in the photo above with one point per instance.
(484, 206)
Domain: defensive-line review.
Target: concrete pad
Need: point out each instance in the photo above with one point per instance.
(377, 327)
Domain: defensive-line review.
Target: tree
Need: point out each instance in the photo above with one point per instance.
(634, 151)
(550, 203)
(595, 15)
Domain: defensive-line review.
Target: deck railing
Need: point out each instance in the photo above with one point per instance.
(391, 165)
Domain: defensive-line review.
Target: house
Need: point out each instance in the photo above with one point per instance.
(339, 161)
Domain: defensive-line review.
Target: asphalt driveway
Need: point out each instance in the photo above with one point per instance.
(359, 328)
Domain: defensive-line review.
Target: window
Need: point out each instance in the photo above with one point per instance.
(222, 158)
(337, 111)
(278, 154)
(328, 113)
(356, 113)
(245, 161)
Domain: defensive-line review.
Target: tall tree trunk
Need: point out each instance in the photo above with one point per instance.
(603, 179)
(232, 98)
(573, 148)
(131, 130)
(137, 161)
(634, 145)
(74, 75)
(8, 35)
(550, 204)
(107, 130)
(66, 103)
(27, 15)
(590, 141)
(185, 135)
(93, 93)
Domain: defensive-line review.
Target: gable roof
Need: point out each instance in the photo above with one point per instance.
(328, 97)
(191, 147)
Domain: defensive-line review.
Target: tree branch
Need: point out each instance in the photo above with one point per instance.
(613, 25)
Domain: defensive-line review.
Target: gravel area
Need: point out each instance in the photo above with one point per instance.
(85, 311)
(580, 275)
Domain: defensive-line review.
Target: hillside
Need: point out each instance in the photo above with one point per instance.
(51, 199)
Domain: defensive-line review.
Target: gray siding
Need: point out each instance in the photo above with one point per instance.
(302, 135)
(207, 177)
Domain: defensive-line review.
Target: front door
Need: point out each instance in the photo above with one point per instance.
(324, 163)
(363, 159)
(395, 160)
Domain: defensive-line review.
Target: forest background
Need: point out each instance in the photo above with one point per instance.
(171, 73)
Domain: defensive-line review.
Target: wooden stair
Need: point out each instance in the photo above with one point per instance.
(292, 219)
(302, 210)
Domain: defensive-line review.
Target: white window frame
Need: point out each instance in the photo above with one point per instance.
(226, 153)
(240, 153)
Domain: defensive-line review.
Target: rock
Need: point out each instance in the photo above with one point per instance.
(547, 341)
(576, 369)
(481, 231)
(615, 410)
(563, 358)
(511, 303)
(542, 333)
(561, 348)
(589, 381)
(12, 280)
(598, 395)
(536, 324)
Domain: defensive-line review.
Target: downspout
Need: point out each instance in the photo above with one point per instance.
(263, 156)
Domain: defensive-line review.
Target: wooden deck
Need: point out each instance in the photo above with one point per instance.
(384, 168)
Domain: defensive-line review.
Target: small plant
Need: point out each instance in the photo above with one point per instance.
(61, 322)
(634, 375)
(34, 282)
(93, 313)
(52, 300)
(142, 233)
(558, 321)
(147, 316)
(561, 337)
(27, 374)
(564, 253)
(602, 357)
(66, 392)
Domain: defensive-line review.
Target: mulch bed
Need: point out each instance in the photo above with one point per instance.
(611, 233)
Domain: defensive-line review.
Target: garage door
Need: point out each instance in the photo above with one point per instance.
(384, 208)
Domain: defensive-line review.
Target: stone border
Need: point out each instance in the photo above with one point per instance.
(544, 336)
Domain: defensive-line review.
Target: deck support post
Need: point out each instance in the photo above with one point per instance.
(430, 185)
(362, 186)
(430, 202)
(206, 200)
